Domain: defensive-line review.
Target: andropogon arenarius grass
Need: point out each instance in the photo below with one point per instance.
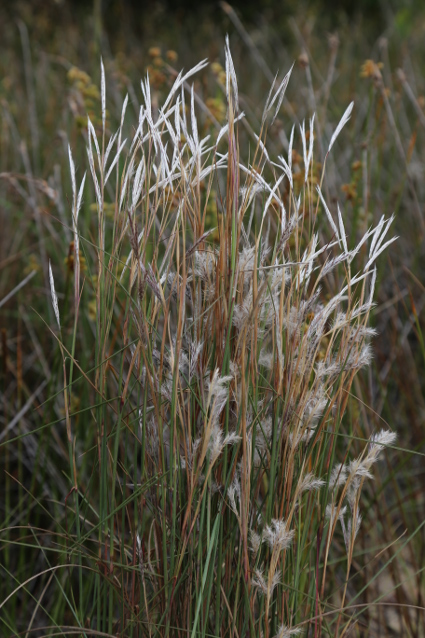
(224, 362)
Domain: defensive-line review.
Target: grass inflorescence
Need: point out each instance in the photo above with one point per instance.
(221, 377)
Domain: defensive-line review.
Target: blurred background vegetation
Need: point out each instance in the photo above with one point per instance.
(372, 52)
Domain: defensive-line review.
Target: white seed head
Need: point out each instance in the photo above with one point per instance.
(54, 295)
(378, 442)
(259, 582)
(341, 124)
(310, 483)
(338, 476)
(277, 535)
(234, 492)
(287, 632)
(254, 541)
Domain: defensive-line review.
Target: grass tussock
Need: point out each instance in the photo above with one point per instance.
(220, 484)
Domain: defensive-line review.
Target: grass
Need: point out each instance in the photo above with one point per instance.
(192, 415)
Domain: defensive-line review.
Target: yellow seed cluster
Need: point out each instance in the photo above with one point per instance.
(84, 98)
(69, 259)
(217, 107)
(371, 69)
(108, 209)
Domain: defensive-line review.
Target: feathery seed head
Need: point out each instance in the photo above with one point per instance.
(277, 535)
(287, 632)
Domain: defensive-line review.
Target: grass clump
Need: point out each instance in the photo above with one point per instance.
(219, 314)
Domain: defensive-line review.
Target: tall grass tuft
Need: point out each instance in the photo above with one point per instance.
(214, 487)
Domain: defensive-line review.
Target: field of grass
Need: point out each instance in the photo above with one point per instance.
(212, 312)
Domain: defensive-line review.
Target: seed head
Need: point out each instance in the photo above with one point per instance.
(286, 632)
(277, 535)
